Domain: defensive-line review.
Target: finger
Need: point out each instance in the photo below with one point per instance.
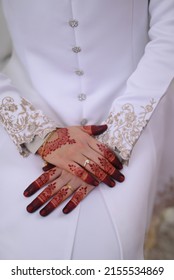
(80, 172)
(95, 169)
(48, 166)
(104, 164)
(105, 152)
(62, 194)
(78, 196)
(45, 178)
(109, 169)
(94, 129)
(49, 191)
(43, 197)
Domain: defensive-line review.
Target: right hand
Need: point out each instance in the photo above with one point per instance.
(60, 185)
(74, 150)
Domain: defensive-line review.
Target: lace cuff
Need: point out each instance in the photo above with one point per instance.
(23, 122)
(125, 127)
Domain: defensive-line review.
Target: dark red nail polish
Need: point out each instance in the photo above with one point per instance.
(69, 207)
(34, 205)
(121, 178)
(108, 181)
(26, 193)
(43, 213)
(91, 181)
(48, 167)
(47, 209)
(96, 183)
(115, 174)
(112, 184)
(120, 166)
(117, 164)
(98, 129)
(118, 176)
(32, 188)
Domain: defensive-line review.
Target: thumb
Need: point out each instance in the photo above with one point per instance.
(47, 166)
(94, 129)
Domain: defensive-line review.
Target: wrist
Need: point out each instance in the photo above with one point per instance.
(41, 149)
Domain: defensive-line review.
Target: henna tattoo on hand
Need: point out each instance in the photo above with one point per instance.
(101, 175)
(95, 129)
(40, 182)
(107, 153)
(77, 197)
(81, 173)
(97, 171)
(60, 138)
(78, 171)
(47, 193)
(110, 156)
(62, 194)
(108, 168)
(42, 198)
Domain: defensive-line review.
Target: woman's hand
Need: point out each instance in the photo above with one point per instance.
(61, 185)
(74, 150)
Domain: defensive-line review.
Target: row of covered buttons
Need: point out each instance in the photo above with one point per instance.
(76, 49)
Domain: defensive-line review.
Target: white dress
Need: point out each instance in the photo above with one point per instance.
(109, 69)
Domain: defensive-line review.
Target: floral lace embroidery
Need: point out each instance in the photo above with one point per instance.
(23, 122)
(125, 127)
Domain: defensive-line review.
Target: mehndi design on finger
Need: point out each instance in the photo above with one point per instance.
(97, 171)
(60, 138)
(42, 198)
(40, 182)
(109, 155)
(108, 168)
(100, 174)
(84, 175)
(77, 197)
(62, 194)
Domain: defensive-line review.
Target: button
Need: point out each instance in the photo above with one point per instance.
(82, 97)
(84, 122)
(76, 49)
(73, 23)
(79, 72)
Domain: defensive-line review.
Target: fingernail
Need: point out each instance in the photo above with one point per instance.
(108, 181)
(115, 175)
(31, 190)
(69, 207)
(113, 183)
(34, 205)
(47, 209)
(48, 167)
(91, 181)
(121, 178)
(98, 129)
(43, 213)
(118, 176)
(96, 183)
(117, 164)
(120, 166)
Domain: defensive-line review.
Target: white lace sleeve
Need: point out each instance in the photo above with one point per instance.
(125, 127)
(20, 119)
(130, 113)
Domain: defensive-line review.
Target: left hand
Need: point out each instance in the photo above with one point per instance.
(76, 151)
(61, 185)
